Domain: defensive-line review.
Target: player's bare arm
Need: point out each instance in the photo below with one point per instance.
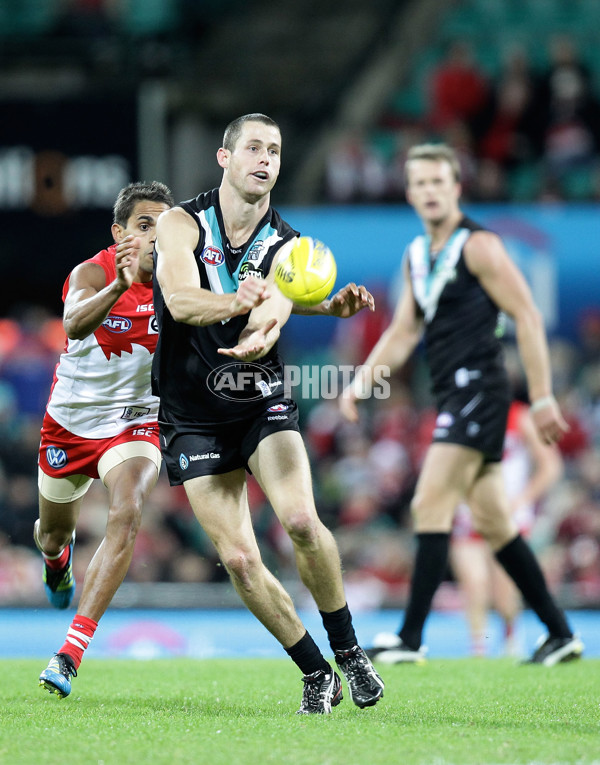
(264, 325)
(89, 299)
(547, 464)
(179, 279)
(395, 346)
(487, 259)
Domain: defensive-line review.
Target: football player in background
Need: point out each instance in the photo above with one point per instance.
(457, 278)
(100, 420)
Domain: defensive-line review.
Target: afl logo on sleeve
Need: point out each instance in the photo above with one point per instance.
(117, 324)
(212, 256)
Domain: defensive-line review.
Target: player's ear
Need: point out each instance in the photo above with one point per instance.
(223, 157)
(118, 232)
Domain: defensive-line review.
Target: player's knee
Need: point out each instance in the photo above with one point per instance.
(53, 542)
(499, 539)
(421, 507)
(241, 567)
(302, 528)
(430, 515)
(497, 528)
(125, 519)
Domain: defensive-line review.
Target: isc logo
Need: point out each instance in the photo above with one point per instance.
(117, 324)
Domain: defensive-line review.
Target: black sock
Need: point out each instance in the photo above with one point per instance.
(521, 565)
(339, 628)
(430, 566)
(306, 654)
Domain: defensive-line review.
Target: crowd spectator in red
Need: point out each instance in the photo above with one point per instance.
(458, 89)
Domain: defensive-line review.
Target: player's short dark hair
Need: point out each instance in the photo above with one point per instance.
(136, 192)
(234, 129)
(436, 152)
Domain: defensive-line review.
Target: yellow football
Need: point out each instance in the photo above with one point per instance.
(308, 273)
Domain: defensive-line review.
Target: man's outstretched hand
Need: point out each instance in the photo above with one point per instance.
(349, 300)
(252, 345)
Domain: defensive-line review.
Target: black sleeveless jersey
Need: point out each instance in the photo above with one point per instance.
(194, 382)
(461, 320)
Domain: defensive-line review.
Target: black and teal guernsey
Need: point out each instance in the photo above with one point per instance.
(461, 320)
(196, 384)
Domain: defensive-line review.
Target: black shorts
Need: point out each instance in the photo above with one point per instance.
(192, 449)
(474, 418)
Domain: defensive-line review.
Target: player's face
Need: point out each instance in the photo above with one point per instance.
(253, 165)
(432, 189)
(142, 223)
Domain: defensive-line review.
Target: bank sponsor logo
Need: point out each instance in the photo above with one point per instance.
(246, 270)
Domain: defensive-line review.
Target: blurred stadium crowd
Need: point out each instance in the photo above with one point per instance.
(513, 85)
(523, 114)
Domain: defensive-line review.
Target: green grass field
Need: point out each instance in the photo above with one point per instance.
(221, 712)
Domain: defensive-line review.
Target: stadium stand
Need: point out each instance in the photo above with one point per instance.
(490, 35)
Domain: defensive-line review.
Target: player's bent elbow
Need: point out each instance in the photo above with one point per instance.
(529, 318)
(75, 330)
(179, 309)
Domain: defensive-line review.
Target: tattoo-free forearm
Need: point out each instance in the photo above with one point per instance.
(533, 349)
(201, 307)
(82, 317)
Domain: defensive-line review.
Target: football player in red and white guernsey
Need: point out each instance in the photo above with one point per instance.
(100, 421)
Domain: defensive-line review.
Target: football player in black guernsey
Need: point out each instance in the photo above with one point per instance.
(224, 408)
(458, 277)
